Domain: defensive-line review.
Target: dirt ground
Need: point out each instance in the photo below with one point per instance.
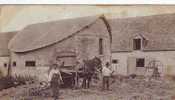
(126, 89)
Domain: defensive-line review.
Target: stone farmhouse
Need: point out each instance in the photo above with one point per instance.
(133, 45)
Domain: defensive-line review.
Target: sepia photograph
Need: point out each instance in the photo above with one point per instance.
(87, 52)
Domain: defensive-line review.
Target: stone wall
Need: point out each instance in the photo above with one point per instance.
(85, 44)
(3, 68)
(43, 57)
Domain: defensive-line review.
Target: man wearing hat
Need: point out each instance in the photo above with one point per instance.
(106, 73)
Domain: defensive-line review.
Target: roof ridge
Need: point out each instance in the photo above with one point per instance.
(64, 19)
(146, 16)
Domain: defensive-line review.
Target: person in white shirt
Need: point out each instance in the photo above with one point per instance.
(54, 70)
(106, 73)
(55, 80)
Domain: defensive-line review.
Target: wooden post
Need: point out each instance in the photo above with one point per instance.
(9, 66)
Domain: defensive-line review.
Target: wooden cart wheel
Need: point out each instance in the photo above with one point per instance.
(155, 67)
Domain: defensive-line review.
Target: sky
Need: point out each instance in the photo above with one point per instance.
(16, 17)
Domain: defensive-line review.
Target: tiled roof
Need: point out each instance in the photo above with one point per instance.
(39, 35)
(159, 31)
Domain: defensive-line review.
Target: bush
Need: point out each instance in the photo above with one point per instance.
(23, 79)
(6, 82)
(133, 76)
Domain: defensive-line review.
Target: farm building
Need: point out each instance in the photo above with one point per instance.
(133, 45)
(5, 37)
(35, 47)
(140, 43)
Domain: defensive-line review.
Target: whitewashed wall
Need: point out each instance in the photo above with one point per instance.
(4, 69)
(46, 54)
(43, 58)
(167, 58)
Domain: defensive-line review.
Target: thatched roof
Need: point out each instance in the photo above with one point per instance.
(158, 31)
(4, 40)
(40, 35)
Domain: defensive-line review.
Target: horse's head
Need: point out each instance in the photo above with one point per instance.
(97, 62)
(93, 64)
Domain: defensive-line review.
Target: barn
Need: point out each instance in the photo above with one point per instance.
(133, 45)
(35, 47)
(5, 37)
(143, 42)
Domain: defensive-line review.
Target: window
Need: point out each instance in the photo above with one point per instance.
(100, 46)
(114, 61)
(14, 63)
(30, 63)
(140, 62)
(137, 44)
(5, 64)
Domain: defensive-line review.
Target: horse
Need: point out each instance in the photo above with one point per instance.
(90, 69)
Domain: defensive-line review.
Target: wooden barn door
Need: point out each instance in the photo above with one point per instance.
(68, 57)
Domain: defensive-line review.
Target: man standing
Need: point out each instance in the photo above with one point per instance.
(78, 66)
(55, 68)
(106, 73)
(55, 79)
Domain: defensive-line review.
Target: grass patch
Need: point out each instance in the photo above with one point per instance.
(6, 82)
